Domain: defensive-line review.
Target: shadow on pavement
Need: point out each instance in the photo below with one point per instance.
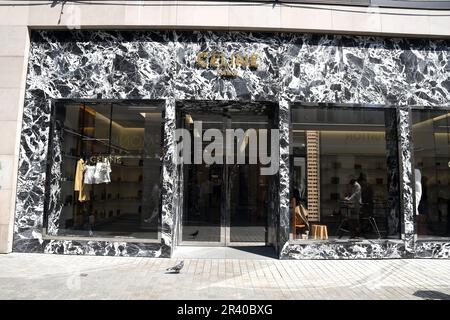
(258, 250)
(431, 295)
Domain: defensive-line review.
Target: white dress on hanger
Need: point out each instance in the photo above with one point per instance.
(89, 174)
(102, 172)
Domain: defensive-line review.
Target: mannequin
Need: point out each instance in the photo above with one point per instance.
(418, 179)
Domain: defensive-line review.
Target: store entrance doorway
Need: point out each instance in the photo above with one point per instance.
(226, 203)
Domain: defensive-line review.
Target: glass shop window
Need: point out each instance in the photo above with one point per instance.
(344, 173)
(105, 170)
(431, 141)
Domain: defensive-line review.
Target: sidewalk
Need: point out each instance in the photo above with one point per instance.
(45, 276)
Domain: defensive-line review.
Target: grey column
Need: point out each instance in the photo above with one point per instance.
(284, 225)
(54, 203)
(29, 212)
(405, 147)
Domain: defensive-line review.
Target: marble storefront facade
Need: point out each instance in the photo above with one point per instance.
(162, 66)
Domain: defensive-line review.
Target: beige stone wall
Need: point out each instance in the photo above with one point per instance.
(13, 50)
(16, 20)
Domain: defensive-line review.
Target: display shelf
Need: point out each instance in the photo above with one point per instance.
(115, 200)
(352, 155)
(114, 182)
(126, 166)
(74, 158)
(353, 169)
(87, 138)
(341, 185)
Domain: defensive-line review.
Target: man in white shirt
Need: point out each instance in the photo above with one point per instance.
(355, 201)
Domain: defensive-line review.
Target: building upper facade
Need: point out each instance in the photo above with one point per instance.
(387, 17)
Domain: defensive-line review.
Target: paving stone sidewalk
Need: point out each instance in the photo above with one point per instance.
(45, 276)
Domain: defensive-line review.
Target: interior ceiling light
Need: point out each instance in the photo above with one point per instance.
(188, 119)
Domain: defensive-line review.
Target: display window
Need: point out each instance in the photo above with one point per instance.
(106, 159)
(431, 143)
(344, 173)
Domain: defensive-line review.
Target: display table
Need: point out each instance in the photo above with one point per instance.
(319, 231)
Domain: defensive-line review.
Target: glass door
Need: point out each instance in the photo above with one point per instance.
(204, 183)
(225, 203)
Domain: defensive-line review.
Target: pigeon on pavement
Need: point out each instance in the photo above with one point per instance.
(193, 235)
(177, 268)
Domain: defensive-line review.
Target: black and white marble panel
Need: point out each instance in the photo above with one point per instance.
(104, 248)
(283, 173)
(31, 178)
(432, 249)
(345, 250)
(406, 177)
(365, 70)
(54, 203)
(104, 65)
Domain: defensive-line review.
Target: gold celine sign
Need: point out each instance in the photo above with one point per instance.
(225, 65)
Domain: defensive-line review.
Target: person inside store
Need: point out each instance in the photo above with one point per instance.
(355, 201)
(366, 201)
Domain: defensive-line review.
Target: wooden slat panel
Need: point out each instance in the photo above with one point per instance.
(313, 174)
